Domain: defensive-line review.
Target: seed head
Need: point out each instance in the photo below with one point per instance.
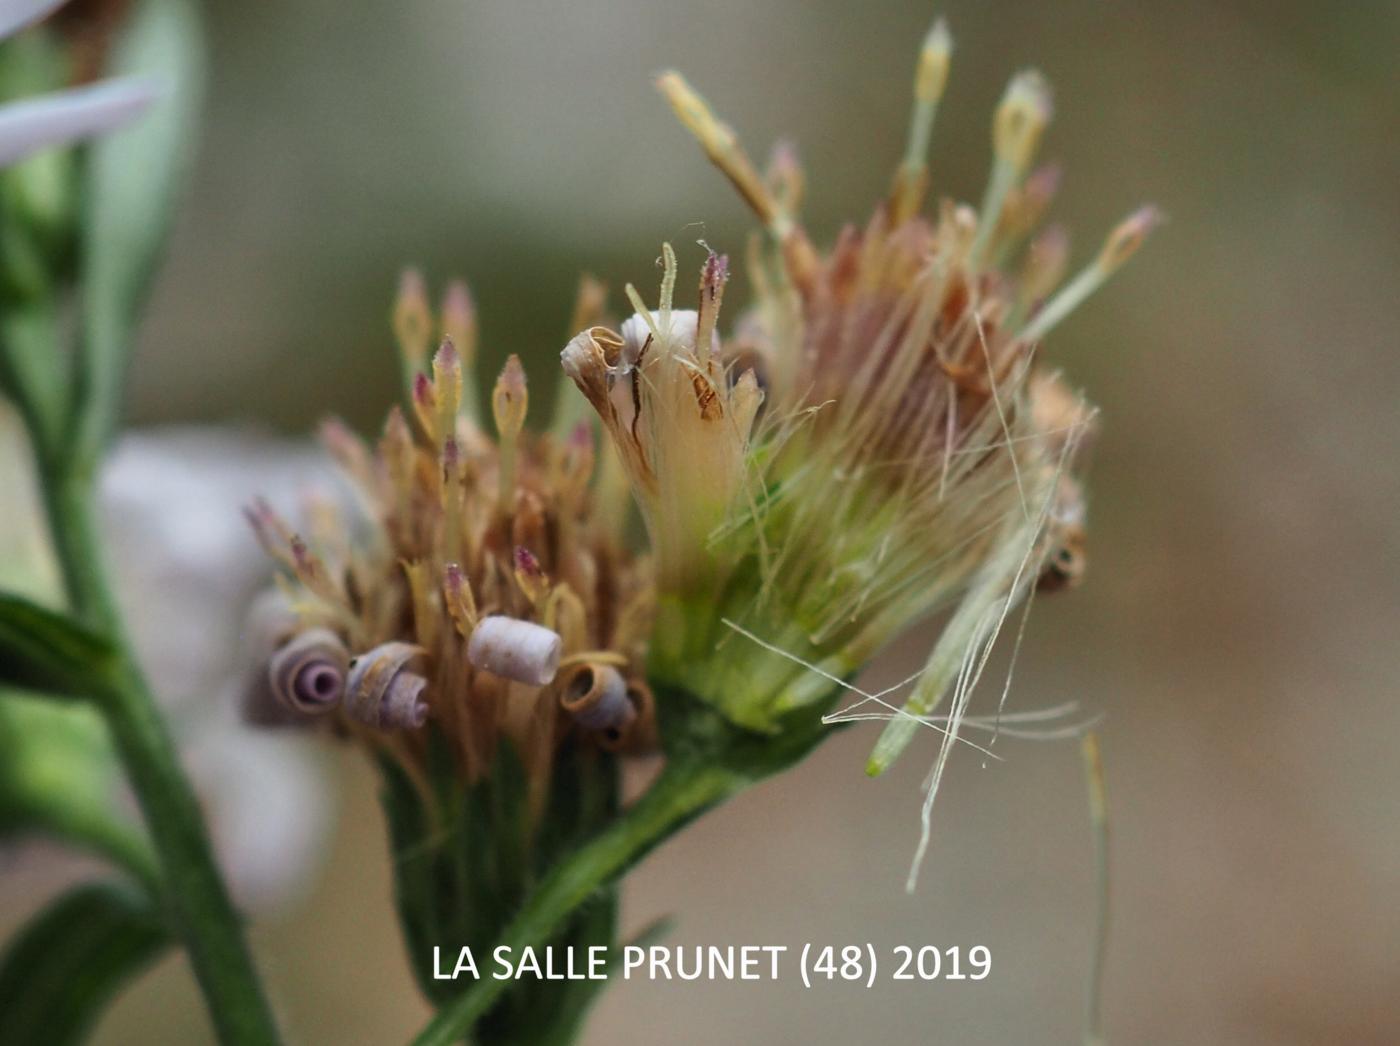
(913, 454)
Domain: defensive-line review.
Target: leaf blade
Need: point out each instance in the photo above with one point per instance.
(68, 961)
(41, 649)
(133, 180)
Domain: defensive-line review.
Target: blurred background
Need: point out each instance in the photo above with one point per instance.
(1238, 626)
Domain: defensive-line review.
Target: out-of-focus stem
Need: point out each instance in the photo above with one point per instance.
(194, 894)
(1098, 820)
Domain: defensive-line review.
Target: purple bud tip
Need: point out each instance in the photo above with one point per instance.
(1148, 217)
(785, 153)
(411, 283)
(511, 383)
(581, 436)
(1045, 180)
(422, 389)
(716, 269)
(396, 427)
(526, 562)
(447, 356)
(458, 296)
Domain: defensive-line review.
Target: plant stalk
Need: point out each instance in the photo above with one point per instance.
(194, 892)
(688, 787)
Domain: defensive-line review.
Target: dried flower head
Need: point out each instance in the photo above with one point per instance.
(469, 586)
(877, 440)
(874, 441)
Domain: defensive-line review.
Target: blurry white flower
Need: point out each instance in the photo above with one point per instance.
(185, 569)
(62, 116)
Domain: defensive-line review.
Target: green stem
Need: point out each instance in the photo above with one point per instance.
(686, 788)
(29, 370)
(68, 502)
(195, 895)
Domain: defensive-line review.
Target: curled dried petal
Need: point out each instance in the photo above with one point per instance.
(516, 649)
(307, 673)
(384, 690)
(596, 696)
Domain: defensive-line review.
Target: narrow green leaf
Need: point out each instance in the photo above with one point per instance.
(38, 222)
(30, 374)
(41, 649)
(57, 767)
(133, 179)
(52, 755)
(38, 197)
(62, 968)
(58, 780)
